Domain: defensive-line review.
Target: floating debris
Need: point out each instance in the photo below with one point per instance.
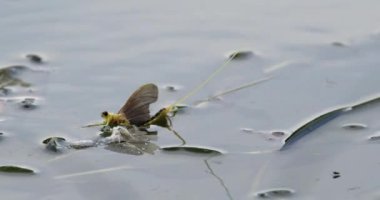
(240, 55)
(354, 126)
(55, 144)
(276, 193)
(28, 103)
(16, 169)
(36, 59)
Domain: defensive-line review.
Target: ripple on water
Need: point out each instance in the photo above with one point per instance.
(354, 126)
(375, 136)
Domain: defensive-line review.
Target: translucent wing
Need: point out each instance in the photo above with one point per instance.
(136, 109)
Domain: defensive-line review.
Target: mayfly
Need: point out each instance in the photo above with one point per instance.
(135, 111)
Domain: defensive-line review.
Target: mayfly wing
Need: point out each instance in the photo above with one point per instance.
(136, 109)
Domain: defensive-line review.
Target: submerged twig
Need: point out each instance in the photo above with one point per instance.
(221, 181)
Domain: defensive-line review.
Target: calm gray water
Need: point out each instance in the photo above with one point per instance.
(320, 55)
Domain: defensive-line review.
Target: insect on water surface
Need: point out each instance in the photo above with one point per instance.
(135, 111)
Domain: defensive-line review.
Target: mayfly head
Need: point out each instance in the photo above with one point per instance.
(104, 115)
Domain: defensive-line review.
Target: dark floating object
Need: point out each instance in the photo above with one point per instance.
(34, 58)
(278, 133)
(354, 126)
(15, 169)
(47, 140)
(55, 144)
(192, 149)
(28, 103)
(275, 193)
(171, 88)
(240, 55)
(338, 44)
(336, 175)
